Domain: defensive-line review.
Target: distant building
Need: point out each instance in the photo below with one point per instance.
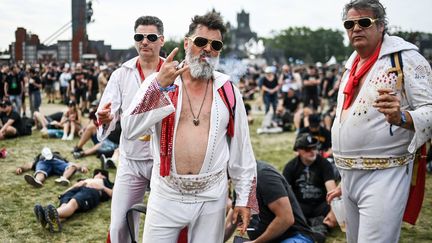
(241, 35)
(28, 48)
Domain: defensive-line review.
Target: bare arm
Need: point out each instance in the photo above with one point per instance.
(25, 167)
(284, 218)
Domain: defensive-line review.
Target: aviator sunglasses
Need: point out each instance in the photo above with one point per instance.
(150, 37)
(363, 22)
(201, 42)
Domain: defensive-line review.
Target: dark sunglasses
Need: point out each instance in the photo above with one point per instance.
(363, 22)
(202, 42)
(151, 37)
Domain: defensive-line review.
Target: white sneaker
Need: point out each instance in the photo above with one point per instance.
(70, 137)
(62, 181)
(64, 137)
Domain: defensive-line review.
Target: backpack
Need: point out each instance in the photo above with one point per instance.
(226, 92)
(418, 180)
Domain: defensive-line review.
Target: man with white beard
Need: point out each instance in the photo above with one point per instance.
(193, 154)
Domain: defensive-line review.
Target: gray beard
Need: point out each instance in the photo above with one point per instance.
(201, 70)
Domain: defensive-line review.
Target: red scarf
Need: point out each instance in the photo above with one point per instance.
(355, 77)
(138, 65)
(167, 136)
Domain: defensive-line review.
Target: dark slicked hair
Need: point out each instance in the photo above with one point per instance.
(211, 20)
(150, 20)
(374, 5)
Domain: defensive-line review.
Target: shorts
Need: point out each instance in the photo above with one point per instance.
(106, 146)
(87, 198)
(49, 89)
(51, 167)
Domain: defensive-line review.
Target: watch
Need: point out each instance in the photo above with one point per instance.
(403, 120)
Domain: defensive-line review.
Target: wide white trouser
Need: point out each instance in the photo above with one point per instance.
(132, 180)
(165, 219)
(375, 201)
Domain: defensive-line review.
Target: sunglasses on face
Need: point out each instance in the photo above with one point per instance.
(363, 22)
(151, 37)
(202, 42)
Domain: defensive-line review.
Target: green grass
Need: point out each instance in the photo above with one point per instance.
(17, 198)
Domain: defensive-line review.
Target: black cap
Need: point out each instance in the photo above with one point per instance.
(305, 140)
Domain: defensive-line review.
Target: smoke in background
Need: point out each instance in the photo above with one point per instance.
(232, 67)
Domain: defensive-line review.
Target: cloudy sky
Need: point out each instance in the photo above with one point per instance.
(114, 19)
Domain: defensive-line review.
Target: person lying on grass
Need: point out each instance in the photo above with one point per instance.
(81, 197)
(46, 164)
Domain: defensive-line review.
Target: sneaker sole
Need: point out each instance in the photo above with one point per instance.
(32, 181)
(40, 215)
(51, 216)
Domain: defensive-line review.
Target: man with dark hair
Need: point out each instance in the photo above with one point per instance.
(280, 217)
(184, 110)
(136, 160)
(383, 116)
(84, 195)
(11, 123)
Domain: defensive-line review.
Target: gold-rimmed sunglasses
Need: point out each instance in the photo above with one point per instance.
(362, 22)
(202, 42)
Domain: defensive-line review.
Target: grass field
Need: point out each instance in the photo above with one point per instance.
(17, 198)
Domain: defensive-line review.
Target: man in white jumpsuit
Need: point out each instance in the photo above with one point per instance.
(381, 121)
(193, 154)
(136, 160)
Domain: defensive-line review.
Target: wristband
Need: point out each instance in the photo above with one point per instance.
(403, 120)
(166, 89)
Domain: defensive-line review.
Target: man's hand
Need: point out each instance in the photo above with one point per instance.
(169, 70)
(18, 171)
(337, 192)
(388, 104)
(84, 169)
(245, 217)
(104, 115)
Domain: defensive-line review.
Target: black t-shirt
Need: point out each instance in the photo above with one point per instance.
(270, 84)
(2, 82)
(50, 78)
(323, 135)
(270, 187)
(17, 124)
(308, 182)
(311, 88)
(32, 86)
(114, 136)
(291, 103)
(80, 80)
(14, 84)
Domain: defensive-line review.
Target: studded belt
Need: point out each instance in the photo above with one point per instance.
(372, 163)
(193, 184)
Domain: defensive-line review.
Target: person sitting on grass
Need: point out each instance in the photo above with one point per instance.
(47, 122)
(46, 164)
(71, 121)
(106, 146)
(11, 123)
(84, 195)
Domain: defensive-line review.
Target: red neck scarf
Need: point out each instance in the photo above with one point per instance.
(138, 65)
(167, 136)
(355, 77)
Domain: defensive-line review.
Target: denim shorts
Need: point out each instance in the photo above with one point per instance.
(107, 146)
(51, 167)
(87, 198)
